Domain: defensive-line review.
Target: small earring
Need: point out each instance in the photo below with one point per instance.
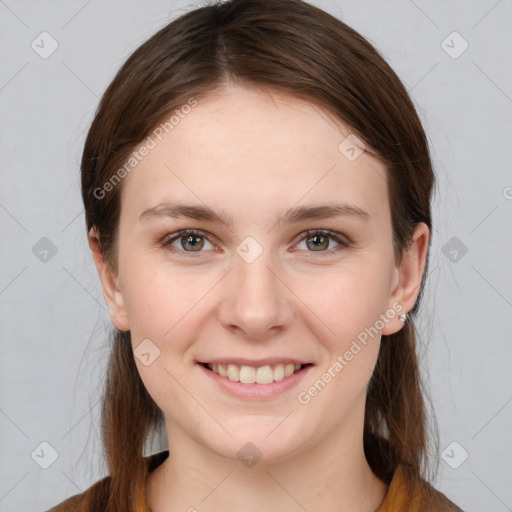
(403, 317)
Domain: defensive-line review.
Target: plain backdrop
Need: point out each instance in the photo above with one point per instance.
(455, 59)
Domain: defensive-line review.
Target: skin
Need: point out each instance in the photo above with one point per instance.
(253, 155)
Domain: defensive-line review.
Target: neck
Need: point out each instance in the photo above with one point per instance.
(332, 475)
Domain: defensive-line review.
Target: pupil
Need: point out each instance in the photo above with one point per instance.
(190, 240)
(317, 240)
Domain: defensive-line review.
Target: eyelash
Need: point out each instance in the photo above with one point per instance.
(169, 239)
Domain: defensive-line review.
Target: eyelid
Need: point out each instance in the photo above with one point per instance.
(341, 239)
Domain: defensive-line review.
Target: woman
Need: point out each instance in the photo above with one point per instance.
(257, 189)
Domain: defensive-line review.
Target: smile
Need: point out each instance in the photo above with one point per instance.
(266, 374)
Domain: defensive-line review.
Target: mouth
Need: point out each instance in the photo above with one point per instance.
(265, 375)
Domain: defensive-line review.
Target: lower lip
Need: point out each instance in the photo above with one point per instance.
(255, 390)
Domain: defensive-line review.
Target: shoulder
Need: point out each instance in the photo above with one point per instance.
(96, 497)
(407, 493)
(72, 504)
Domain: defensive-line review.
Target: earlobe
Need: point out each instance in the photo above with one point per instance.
(408, 277)
(109, 284)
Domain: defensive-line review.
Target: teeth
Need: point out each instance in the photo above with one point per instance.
(262, 375)
(233, 372)
(249, 375)
(278, 372)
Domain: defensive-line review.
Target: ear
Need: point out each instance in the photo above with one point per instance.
(109, 283)
(406, 283)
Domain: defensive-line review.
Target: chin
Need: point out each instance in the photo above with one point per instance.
(260, 444)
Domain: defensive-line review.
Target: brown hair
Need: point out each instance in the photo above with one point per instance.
(294, 47)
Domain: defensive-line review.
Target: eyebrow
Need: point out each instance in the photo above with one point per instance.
(292, 216)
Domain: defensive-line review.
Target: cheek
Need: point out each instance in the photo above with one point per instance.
(156, 303)
(347, 299)
(350, 302)
(165, 302)
(351, 306)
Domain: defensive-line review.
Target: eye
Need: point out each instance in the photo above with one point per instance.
(319, 241)
(189, 240)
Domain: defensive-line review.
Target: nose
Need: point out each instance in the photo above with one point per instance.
(256, 303)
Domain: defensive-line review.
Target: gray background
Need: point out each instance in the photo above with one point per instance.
(53, 319)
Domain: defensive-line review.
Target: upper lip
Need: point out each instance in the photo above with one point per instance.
(241, 361)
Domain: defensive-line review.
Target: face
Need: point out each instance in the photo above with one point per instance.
(265, 276)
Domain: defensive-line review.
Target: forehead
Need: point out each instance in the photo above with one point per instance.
(243, 148)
